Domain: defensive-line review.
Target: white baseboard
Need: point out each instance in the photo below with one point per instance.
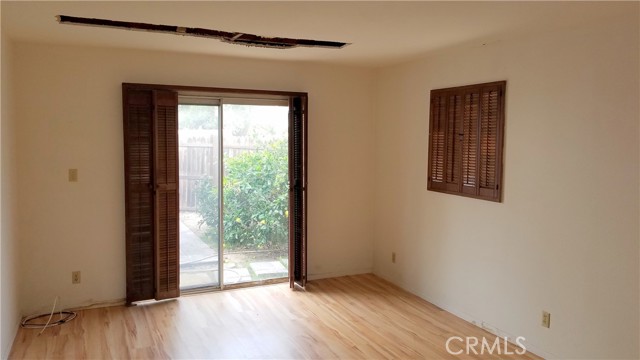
(332, 274)
(97, 305)
(475, 321)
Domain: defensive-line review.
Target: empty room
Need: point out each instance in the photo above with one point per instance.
(320, 180)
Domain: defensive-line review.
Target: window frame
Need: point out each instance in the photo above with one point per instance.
(440, 139)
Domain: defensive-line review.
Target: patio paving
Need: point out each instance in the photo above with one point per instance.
(199, 264)
(194, 250)
(198, 261)
(268, 269)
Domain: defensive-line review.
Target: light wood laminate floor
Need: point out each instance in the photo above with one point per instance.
(351, 317)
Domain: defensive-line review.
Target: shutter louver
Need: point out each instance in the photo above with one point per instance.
(470, 142)
(454, 140)
(298, 192)
(438, 115)
(139, 209)
(465, 135)
(166, 165)
(488, 142)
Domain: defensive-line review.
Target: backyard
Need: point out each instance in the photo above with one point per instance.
(255, 192)
(199, 260)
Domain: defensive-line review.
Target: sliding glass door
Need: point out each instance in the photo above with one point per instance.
(234, 190)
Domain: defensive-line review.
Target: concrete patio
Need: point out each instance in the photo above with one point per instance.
(199, 264)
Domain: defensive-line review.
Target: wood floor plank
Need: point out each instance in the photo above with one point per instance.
(351, 317)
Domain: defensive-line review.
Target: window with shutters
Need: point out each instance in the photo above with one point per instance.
(466, 126)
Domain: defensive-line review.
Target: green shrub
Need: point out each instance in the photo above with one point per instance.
(256, 200)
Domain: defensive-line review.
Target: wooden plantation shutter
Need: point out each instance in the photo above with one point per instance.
(465, 134)
(298, 191)
(453, 149)
(437, 132)
(490, 136)
(166, 195)
(445, 130)
(151, 195)
(139, 209)
(470, 142)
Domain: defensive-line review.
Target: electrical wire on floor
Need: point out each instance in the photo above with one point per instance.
(28, 323)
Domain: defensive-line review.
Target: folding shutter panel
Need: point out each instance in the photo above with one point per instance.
(488, 142)
(166, 195)
(139, 209)
(298, 191)
(454, 142)
(437, 128)
(470, 142)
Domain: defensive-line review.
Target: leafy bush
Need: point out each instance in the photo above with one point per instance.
(256, 200)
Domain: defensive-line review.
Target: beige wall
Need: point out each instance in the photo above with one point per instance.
(565, 239)
(9, 311)
(68, 101)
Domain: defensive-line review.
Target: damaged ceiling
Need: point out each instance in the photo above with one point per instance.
(236, 38)
(379, 33)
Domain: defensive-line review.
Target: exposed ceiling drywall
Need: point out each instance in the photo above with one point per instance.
(381, 33)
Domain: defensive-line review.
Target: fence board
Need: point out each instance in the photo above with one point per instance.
(199, 162)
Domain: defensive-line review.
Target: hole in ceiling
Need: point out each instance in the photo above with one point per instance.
(225, 36)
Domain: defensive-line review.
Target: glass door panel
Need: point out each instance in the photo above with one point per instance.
(198, 145)
(256, 191)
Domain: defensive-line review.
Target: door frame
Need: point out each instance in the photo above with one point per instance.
(295, 280)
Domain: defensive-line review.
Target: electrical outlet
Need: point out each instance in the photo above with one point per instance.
(73, 175)
(75, 277)
(393, 257)
(546, 319)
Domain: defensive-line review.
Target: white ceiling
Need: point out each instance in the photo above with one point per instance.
(381, 33)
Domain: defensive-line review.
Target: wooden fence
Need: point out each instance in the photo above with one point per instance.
(199, 162)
